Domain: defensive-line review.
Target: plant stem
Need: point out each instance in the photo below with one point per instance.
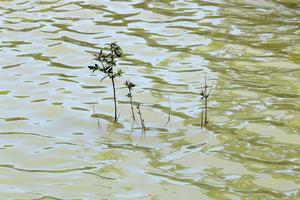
(206, 108)
(202, 117)
(115, 98)
(169, 111)
(131, 104)
(141, 118)
(93, 108)
(206, 102)
(205, 95)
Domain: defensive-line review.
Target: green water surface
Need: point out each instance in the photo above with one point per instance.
(52, 148)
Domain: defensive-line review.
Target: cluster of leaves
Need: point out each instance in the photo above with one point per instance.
(129, 85)
(108, 60)
(204, 94)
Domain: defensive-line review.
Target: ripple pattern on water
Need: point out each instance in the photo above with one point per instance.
(49, 133)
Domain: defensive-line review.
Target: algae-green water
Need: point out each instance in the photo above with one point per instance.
(51, 146)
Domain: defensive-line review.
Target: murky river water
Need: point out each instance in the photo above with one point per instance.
(51, 146)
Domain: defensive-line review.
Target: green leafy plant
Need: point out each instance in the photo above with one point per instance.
(130, 86)
(107, 58)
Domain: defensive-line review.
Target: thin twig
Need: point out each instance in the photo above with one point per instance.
(211, 87)
(118, 116)
(141, 118)
(169, 117)
(206, 102)
(205, 95)
(115, 98)
(93, 108)
(202, 117)
(131, 105)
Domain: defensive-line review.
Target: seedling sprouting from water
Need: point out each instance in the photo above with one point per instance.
(141, 118)
(205, 93)
(107, 57)
(130, 86)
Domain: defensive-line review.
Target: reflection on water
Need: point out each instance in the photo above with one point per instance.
(49, 134)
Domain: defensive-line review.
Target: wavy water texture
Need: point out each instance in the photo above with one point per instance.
(58, 140)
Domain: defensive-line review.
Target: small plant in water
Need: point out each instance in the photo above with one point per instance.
(205, 93)
(107, 58)
(130, 86)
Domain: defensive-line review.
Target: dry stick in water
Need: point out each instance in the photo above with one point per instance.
(141, 118)
(208, 95)
(206, 102)
(93, 108)
(202, 117)
(130, 85)
(169, 117)
(204, 95)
